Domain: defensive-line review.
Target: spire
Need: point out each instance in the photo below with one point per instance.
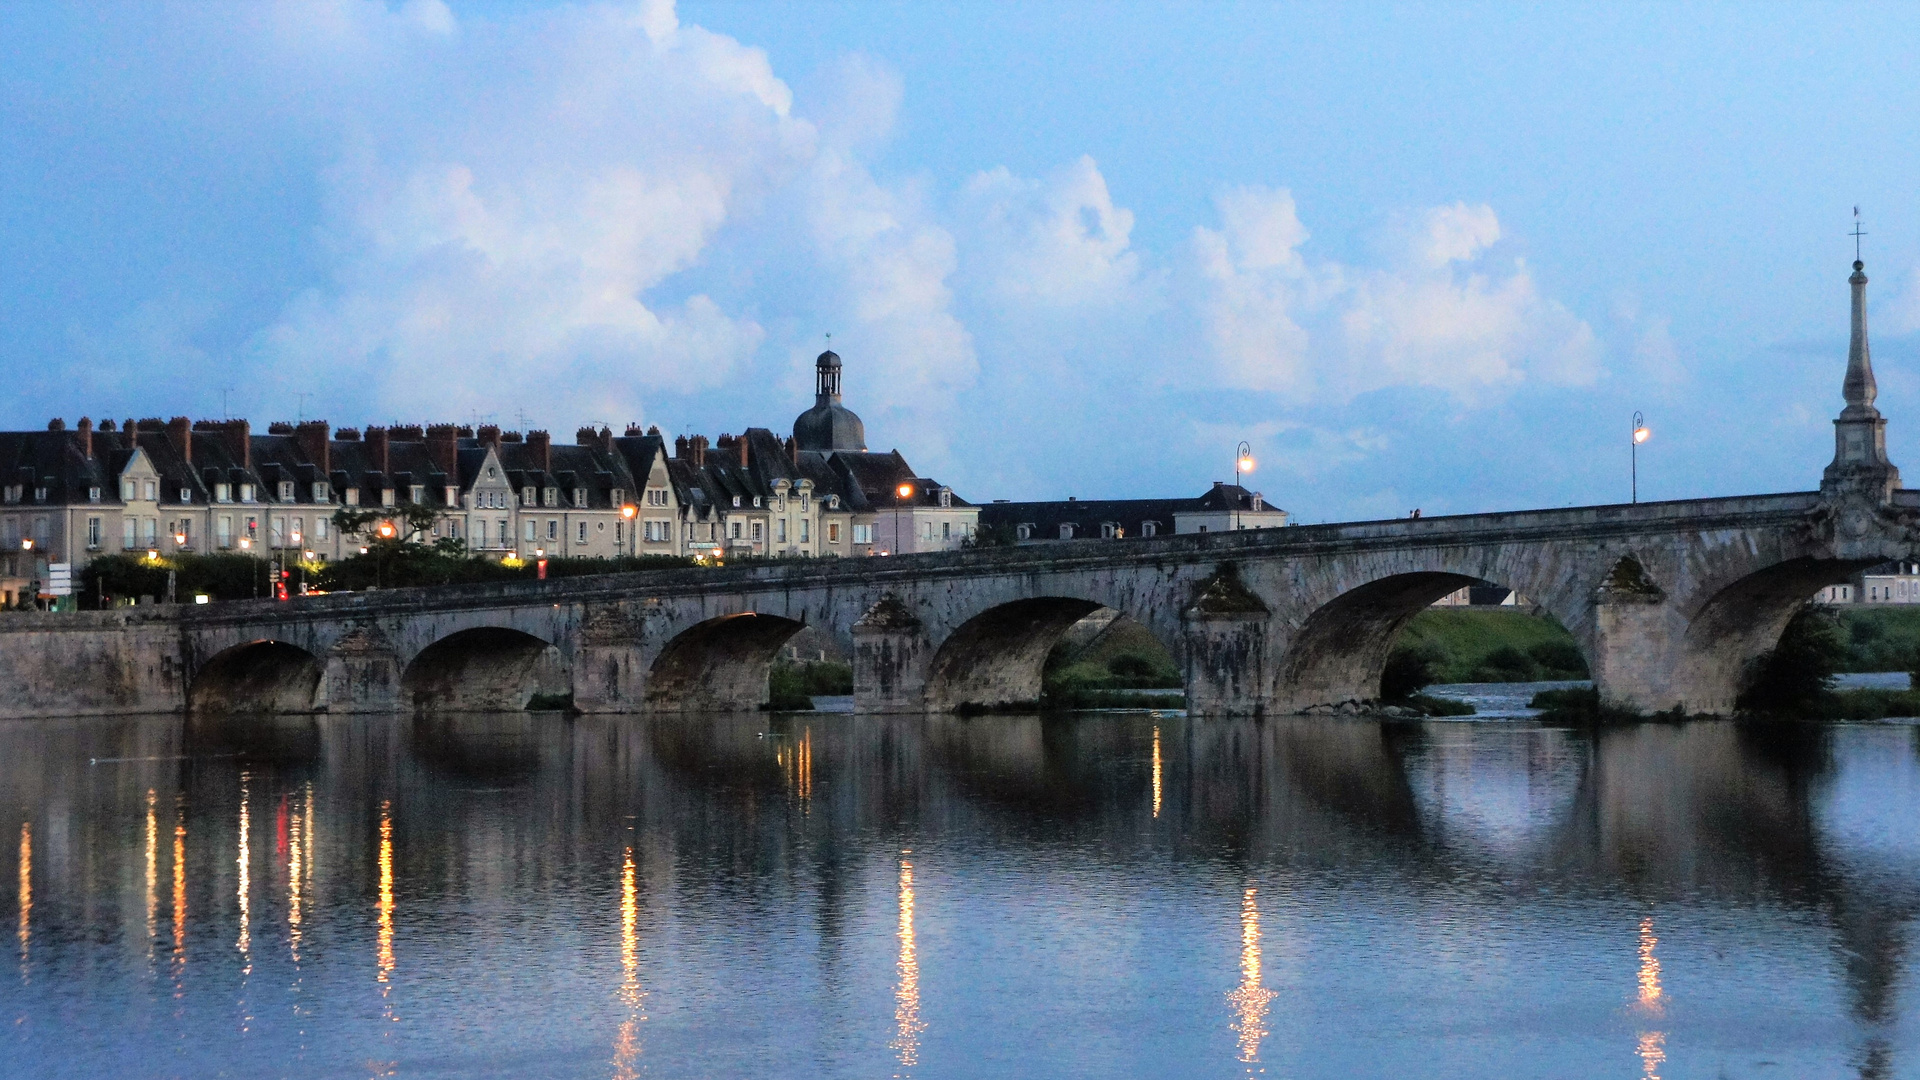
(1860, 464)
(1859, 390)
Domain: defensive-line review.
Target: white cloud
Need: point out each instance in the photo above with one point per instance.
(1442, 314)
(1056, 243)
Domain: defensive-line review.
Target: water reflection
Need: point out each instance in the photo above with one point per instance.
(906, 1012)
(1085, 865)
(1251, 998)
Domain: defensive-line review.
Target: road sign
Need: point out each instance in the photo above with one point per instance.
(59, 579)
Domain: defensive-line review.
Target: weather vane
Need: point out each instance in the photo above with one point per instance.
(1856, 234)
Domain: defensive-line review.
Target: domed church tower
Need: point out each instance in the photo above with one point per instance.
(829, 425)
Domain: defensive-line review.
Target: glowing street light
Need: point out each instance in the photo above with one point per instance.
(179, 539)
(386, 530)
(26, 544)
(153, 555)
(900, 495)
(629, 511)
(1641, 433)
(1242, 465)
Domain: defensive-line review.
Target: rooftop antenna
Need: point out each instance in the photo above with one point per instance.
(304, 395)
(224, 414)
(1857, 233)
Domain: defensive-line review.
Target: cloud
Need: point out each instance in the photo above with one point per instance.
(1057, 243)
(1442, 313)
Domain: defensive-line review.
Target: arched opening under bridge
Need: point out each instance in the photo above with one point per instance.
(1745, 620)
(718, 665)
(486, 668)
(1001, 655)
(1341, 652)
(257, 677)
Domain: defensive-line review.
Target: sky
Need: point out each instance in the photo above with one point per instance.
(1425, 257)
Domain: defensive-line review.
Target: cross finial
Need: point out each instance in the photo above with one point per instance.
(1857, 233)
(829, 339)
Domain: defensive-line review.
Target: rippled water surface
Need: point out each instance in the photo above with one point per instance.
(833, 895)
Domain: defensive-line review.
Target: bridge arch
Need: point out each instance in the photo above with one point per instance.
(1000, 654)
(718, 665)
(1341, 648)
(262, 676)
(484, 668)
(1744, 619)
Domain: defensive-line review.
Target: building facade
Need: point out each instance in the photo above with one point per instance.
(164, 487)
(1223, 508)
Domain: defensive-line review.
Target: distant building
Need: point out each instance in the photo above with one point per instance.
(1223, 508)
(162, 487)
(1888, 583)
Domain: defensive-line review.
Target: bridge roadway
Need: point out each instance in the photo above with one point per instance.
(1668, 602)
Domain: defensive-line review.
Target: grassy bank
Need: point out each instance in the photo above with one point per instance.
(1469, 645)
(1879, 638)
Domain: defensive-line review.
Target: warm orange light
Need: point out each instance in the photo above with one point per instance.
(386, 530)
(906, 491)
(1245, 464)
(26, 545)
(180, 539)
(1642, 434)
(628, 511)
(152, 555)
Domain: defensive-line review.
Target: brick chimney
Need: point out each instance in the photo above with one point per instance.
(793, 451)
(490, 436)
(680, 447)
(605, 441)
(235, 435)
(180, 434)
(585, 436)
(633, 431)
(347, 434)
(509, 436)
(540, 445)
(314, 437)
(741, 444)
(697, 447)
(56, 424)
(406, 433)
(443, 449)
(86, 437)
(377, 450)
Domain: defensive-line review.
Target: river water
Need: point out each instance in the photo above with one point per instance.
(1121, 894)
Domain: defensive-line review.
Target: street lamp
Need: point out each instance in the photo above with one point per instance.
(386, 530)
(900, 495)
(629, 511)
(1641, 433)
(1242, 465)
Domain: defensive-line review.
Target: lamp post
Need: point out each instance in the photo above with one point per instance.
(1641, 433)
(900, 495)
(629, 511)
(1242, 465)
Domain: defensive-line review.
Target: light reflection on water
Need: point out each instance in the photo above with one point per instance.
(851, 896)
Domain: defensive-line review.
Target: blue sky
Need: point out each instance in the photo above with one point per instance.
(1419, 256)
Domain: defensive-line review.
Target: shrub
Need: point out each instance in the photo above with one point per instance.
(1558, 659)
(1408, 670)
(1506, 664)
(1796, 676)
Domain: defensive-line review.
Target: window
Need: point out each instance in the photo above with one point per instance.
(579, 496)
(529, 497)
(298, 533)
(620, 533)
(453, 496)
(551, 497)
(780, 530)
(757, 535)
(736, 502)
(185, 535)
(246, 493)
(618, 497)
(833, 532)
(153, 532)
(656, 496)
(553, 529)
(582, 538)
(1203, 528)
(806, 501)
(946, 497)
(352, 496)
(417, 494)
(152, 495)
(1023, 532)
(276, 531)
(320, 528)
(286, 491)
(756, 502)
(223, 493)
(253, 528)
(1258, 502)
(128, 536)
(1149, 528)
(505, 532)
(93, 532)
(806, 530)
(386, 496)
(863, 534)
(1066, 532)
(453, 529)
(320, 491)
(480, 531)
(93, 494)
(529, 531)
(39, 494)
(491, 472)
(946, 530)
(186, 496)
(927, 533)
(659, 532)
(1106, 530)
(222, 530)
(736, 530)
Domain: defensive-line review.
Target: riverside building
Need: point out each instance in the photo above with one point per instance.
(164, 487)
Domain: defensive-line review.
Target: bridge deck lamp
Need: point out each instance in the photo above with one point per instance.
(901, 494)
(628, 512)
(1641, 433)
(1242, 465)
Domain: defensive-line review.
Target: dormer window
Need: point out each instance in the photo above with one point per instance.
(386, 496)
(351, 496)
(93, 495)
(1149, 528)
(1024, 532)
(946, 498)
(491, 472)
(833, 502)
(736, 502)
(39, 494)
(246, 493)
(186, 496)
(128, 492)
(529, 497)
(1066, 532)
(756, 502)
(806, 502)
(579, 496)
(551, 497)
(1107, 530)
(151, 491)
(417, 494)
(618, 497)
(320, 491)
(453, 496)
(1258, 502)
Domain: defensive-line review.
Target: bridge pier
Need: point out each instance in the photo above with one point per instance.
(610, 663)
(362, 674)
(891, 659)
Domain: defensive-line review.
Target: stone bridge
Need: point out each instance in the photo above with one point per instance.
(1669, 602)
